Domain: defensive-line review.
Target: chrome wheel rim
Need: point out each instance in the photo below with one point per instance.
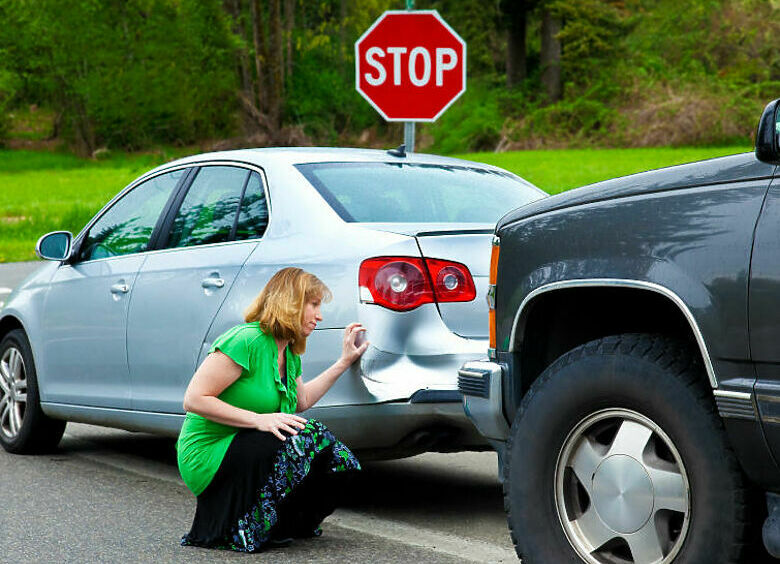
(13, 392)
(621, 490)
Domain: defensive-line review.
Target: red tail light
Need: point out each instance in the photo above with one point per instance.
(452, 281)
(404, 283)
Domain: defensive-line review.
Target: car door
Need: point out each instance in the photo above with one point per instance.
(181, 286)
(84, 356)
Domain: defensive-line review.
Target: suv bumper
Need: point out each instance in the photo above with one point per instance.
(480, 383)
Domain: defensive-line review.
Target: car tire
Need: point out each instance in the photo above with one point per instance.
(24, 428)
(617, 454)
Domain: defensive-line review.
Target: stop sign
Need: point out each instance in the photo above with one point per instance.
(410, 65)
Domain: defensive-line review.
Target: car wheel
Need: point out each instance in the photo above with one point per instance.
(24, 428)
(617, 455)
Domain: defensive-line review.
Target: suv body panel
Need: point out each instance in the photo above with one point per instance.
(656, 231)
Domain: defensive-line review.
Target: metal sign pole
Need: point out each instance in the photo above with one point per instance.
(409, 136)
(409, 125)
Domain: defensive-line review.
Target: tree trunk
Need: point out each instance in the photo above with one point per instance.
(289, 24)
(551, 56)
(242, 56)
(275, 66)
(260, 42)
(342, 34)
(515, 12)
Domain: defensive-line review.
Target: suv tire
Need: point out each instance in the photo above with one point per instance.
(617, 454)
(24, 428)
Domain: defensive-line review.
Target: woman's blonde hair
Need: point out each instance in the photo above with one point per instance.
(279, 306)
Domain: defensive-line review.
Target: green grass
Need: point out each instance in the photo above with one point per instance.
(43, 191)
(558, 170)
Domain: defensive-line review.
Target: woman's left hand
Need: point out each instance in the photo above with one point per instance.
(350, 350)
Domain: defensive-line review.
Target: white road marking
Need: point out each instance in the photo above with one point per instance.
(461, 547)
(467, 549)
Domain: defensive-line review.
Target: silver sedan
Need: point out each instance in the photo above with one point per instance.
(111, 330)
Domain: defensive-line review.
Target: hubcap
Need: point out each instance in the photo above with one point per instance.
(13, 392)
(621, 490)
(622, 493)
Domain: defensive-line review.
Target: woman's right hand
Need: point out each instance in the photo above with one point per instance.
(277, 422)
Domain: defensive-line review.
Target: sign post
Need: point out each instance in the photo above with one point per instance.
(410, 66)
(409, 125)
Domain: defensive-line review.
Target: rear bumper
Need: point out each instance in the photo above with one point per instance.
(410, 351)
(480, 383)
(396, 429)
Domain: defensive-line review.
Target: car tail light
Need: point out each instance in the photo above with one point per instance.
(452, 281)
(491, 295)
(404, 283)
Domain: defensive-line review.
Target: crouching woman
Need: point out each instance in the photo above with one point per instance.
(263, 475)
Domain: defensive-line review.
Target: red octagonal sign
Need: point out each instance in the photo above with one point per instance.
(410, 65)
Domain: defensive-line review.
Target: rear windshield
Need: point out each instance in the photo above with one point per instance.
(418, 193)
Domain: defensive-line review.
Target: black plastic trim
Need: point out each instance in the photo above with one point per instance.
(474, 385)
(436, 396)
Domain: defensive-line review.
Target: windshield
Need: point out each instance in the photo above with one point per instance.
(418, 193)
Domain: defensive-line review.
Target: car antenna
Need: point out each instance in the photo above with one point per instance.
(399, 151)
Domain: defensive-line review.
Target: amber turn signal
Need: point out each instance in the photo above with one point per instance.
(496, 249)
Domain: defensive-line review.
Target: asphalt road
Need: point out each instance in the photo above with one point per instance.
(109, 495)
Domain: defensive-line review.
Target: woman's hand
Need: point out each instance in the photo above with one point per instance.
(277, 422)
(350, 352)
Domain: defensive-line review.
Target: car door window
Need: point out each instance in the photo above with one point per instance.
(128, 225)
(209, 209)
(253, 217)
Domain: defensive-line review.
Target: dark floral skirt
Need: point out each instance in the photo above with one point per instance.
(266, 488)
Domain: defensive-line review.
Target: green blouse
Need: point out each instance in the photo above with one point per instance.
(203, 443)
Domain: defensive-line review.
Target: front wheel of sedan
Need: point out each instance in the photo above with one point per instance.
(24, 428)
(617, 455)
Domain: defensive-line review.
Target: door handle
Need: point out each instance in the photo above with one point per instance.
(120, 288)
(212, 283)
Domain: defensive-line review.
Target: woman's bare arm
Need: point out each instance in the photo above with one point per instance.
(213, 376)
(310, 392)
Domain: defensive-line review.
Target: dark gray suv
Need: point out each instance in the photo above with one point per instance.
(633, 385)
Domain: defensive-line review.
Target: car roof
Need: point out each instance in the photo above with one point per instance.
(300, 155)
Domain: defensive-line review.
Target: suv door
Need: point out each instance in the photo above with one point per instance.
(210, 234)
(84, 357)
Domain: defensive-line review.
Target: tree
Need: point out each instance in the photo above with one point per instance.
(515, 13)
(550, 56)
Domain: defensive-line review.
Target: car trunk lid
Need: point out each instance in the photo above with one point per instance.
(468, 244)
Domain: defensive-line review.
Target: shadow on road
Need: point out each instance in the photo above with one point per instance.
(429, 484)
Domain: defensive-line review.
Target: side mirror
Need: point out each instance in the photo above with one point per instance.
(55, 245)
(767, 146)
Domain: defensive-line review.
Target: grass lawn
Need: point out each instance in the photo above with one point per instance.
(559, 170)
(43, 191)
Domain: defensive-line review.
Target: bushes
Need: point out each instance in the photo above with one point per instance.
(8, 87)
(472, 123)
(140, 72)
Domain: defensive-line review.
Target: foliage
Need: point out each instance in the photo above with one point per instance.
(141, 71)
(135, 73)
(321, 90)
(473, 123)
(9, 84)
(477, 23)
